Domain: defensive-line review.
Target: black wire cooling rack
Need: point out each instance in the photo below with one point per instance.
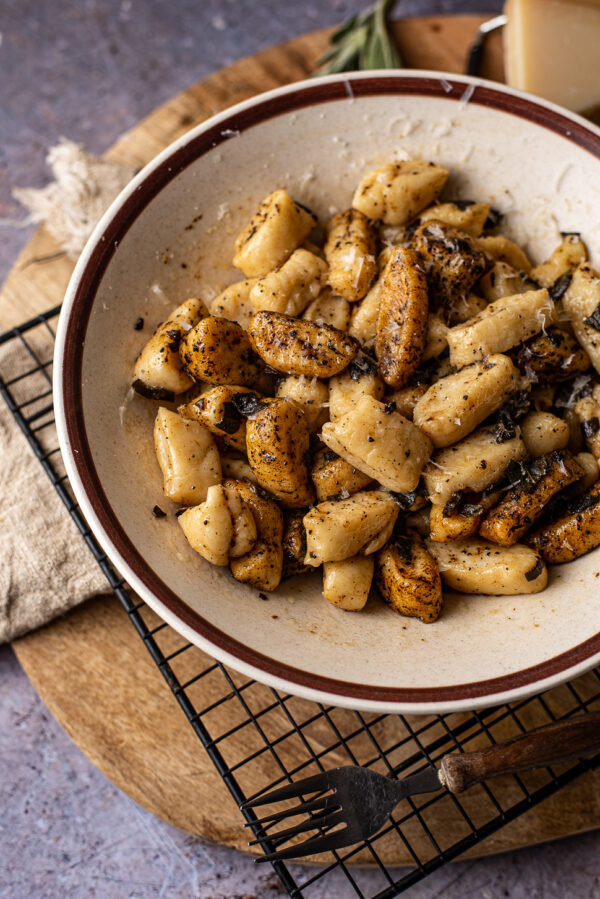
(250, 753)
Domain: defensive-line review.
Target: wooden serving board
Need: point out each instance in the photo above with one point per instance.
(90, 667)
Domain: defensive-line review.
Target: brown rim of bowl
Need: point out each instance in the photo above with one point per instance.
(239, 120)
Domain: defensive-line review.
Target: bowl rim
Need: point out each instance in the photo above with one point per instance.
(68, 405)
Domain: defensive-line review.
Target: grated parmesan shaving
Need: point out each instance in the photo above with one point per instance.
(127, 399)
(442, 128)
(437, 465)
(157, 289)
(359, 269)
(466, 95)
(561, 177)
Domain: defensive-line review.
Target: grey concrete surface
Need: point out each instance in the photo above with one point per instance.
(89, 70)
(66, 833)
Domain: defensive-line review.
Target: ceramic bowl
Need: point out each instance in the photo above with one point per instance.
(170, 235)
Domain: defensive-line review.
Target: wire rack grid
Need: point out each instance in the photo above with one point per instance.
(248, 729)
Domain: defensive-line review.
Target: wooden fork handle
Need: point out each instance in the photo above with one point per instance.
(564, 739)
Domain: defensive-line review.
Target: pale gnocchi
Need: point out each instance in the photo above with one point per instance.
(400, 398)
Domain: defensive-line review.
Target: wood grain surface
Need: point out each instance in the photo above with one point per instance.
(91, 668)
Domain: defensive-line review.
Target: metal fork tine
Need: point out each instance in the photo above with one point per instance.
(334, 817)
(335, 840)
(315, 783)
(323, 802)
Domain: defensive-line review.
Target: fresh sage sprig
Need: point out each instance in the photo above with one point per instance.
(363, 42)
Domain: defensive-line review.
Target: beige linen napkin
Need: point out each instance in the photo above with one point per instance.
(45, 566)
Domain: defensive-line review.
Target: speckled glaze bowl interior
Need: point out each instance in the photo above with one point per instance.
(170, 236)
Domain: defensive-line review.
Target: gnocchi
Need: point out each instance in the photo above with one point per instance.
(216, 409)
(350, 251)
(347, 584)
(311, 395)
(292, 286)
(381, 443)
(220, 528)
(500, 326)
(234, 303)
(477, 566)
(581, 302)
(466, 216)
(277, 228)
(334, 477)
(365, 315)
(218, 351)
(543, 432)
(188, 457)
(340, 529)
(407, 402)
(345, 390)
(473, 464)
(397, 192)
(452, 258)
(158, 371)
(409, 579)
(329, 309)
(403, 314)
(456, 404)
(262, 565)
(300, 347)
(277, 440)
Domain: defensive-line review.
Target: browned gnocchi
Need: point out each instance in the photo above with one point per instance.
(402, 398)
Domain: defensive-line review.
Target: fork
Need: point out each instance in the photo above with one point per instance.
(361, 800)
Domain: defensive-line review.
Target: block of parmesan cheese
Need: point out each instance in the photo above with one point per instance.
(551, 48)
